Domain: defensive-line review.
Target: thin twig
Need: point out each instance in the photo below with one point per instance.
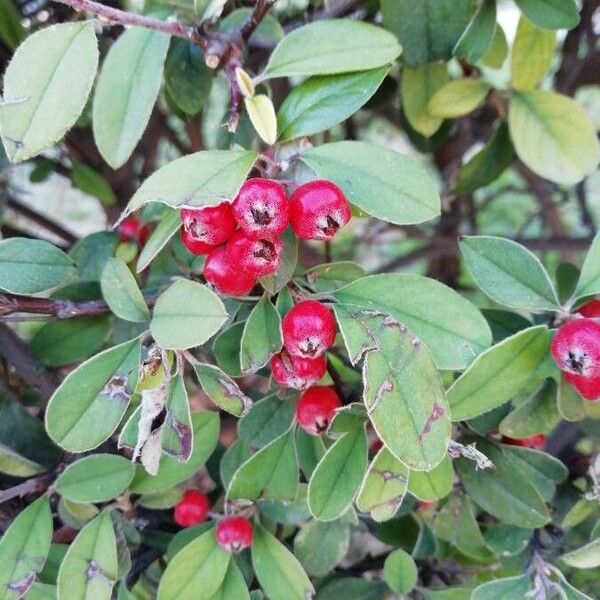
(35, 484)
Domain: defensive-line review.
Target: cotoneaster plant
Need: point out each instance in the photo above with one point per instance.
(298, 303)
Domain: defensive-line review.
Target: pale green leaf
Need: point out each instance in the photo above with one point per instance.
(531, 54)
(121, 292)
(261, 337)
(458, 98)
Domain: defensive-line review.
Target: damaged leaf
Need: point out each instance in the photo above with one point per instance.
(222, 390)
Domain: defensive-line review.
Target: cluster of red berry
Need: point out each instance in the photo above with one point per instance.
(576, 351)
(232, 533)
(262, 211)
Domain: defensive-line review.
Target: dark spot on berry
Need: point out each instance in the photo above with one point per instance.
(261, 217)
(332, 226)
(577, 362)
(266, 251)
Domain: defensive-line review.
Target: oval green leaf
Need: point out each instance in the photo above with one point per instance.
(434, 484)
(400, 571)
(261, 337)
(532, 53)
(551, 14)
(121, 292)
(458, 98)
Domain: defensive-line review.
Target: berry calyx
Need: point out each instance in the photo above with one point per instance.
(225, 276)
(192, 509)
(234, 534)
(194, 245)
(296, 372)
(262, 208)
(257, 256)
(212, 225)
(590, 309)
(318, 210)
(588, 387)
(535, 441)
(576, 347)
(308, 329)
(132, 230)
(316, 408)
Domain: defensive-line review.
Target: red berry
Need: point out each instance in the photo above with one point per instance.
(318, 210)
(212, 225)
(262, 208)
(427, 504)
(576, 347)
(308, 329)
(132, 230)
(257, 256)
(295, 372)
(225, 276)
(192, 509)
(316, 408)
(535, 441)
(234, 534)
(588, 387)
(194, 245)
(590, 309)
(376, 445)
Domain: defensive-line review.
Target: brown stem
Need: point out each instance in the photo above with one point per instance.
(35, 484)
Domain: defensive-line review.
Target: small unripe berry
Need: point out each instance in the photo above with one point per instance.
(308, 329)
(296, 372)
(590, 309)
(212, 225)
(225, 276)
(588, 387)
(316, 408)
(234, 534)
(194, 245)
(318, 210)
(132, 230)
(262, 208)
(192, 509)
(535, 441)
(576, 347)
(257, 256)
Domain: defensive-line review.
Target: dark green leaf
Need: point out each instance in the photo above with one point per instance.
(261, 337)
(551, 14)
(320, 546)
(267, 419)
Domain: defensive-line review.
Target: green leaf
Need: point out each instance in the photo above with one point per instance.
(272, 472)
(233, 586)
(68, 341)
(451, 327)
(226, 348)
(32, 266)
(261, 113)
(178, 439)
(508, 273)
(455, 523)
(268, 32)
(553, 136)
(419, 84)
(187, 77)
(222, 390)
(46, 86)
(332, 46)
(537, 414)
(76, 515)
(95, 478)
(532, 54)
(427, 29)
(261, 337)
(500, 589)
(403, 392)
(91, 182)
(289, 258)
(200, 179)
(89, 568)
(266, 420)
(353, 587)
(458, 98)
(477, 38)
(91, 253)
(12, 463)
(126, 91)
(89, 404)
(488, 164)
(121, 292)
(321, 102)
(329, 277)
(12, 33)
(187, 314)
(159, 238)
(498, 373)
(321, 546)
(400, 571)
(380, 181)
(196, 572)
(337, 478)
(551, 14)
(41, 591)
(24, 548)
(586, 557)
(311, 450)
(498, 50)
(172, 471)
(450, 593)
(589, 278)
(434, 484)
(383, 487)
(277, 570)
(572, 407)
(505, 493)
